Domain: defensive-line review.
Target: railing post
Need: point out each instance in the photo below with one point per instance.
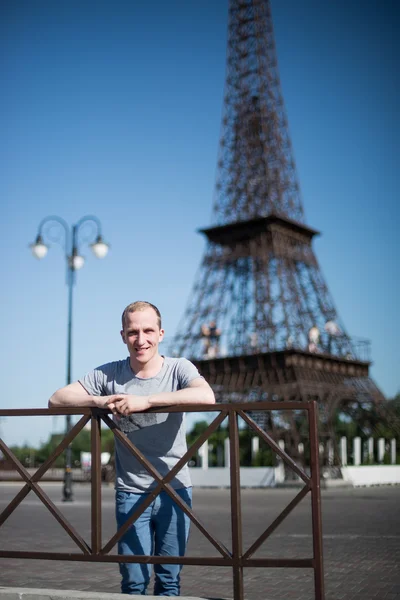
(357, 451)
(381, 450)
(331, 453)
(95, 422)
(316, 502)
(371, 450)
(204, 456)
(255, 447)
(343, 451)
(236, 511)
(393, 455)
(280, 468)
(227, 454)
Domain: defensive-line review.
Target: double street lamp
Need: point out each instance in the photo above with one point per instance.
(55, 229)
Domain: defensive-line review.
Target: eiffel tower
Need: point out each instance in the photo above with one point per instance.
(260, 322)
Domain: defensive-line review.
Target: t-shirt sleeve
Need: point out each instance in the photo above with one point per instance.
(186, 372)
(95, 381)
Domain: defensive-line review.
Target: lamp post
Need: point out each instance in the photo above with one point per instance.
(74, 262)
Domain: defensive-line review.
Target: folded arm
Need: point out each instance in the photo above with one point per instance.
(198, 392)
(75, 394)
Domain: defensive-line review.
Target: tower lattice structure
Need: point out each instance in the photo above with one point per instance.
(260, 321)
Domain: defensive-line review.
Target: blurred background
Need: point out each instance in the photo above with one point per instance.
(114, 109)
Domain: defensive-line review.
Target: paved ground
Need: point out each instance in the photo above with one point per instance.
(361, 544)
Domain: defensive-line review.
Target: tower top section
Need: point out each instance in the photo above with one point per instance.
(256, 174)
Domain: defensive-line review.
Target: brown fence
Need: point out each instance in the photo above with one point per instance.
(237, 557)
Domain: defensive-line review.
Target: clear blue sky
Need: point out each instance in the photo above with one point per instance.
(114, 108)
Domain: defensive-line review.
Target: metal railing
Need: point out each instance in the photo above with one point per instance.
(237, 557)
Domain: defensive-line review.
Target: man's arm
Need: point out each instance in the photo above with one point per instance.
(197, 392)
(75, 394)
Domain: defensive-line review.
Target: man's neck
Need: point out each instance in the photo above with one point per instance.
(147, 370)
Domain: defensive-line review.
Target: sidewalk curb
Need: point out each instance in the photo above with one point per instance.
(9, 593)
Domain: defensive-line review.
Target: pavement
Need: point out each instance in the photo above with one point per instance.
(361, 531)
(35, 594)
(29, 594)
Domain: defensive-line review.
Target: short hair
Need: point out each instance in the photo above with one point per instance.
(140, 305)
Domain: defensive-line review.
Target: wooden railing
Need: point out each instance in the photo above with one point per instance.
(237, 557)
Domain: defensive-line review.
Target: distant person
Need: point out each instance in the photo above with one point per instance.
(253, 340)
(127, 387)
(211, 335)
(313, 339)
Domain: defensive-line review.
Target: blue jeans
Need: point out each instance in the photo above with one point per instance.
(161, 530)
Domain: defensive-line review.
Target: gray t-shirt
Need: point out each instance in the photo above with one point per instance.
(161, 437)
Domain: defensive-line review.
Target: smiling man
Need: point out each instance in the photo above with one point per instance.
(129, 387)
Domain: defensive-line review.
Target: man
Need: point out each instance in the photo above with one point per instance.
(145, 379)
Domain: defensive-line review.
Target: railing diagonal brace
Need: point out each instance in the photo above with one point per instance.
(170, 475)
(41, 470)
(9, 509)
(165, 486)
(61, 447)
(286, 511)
(275, 447)
(74, 535)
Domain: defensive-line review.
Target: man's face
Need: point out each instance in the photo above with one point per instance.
(142, 335)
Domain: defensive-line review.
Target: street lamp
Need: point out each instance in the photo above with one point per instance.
(74, 262)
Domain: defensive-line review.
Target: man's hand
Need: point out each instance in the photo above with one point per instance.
(126, 404)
